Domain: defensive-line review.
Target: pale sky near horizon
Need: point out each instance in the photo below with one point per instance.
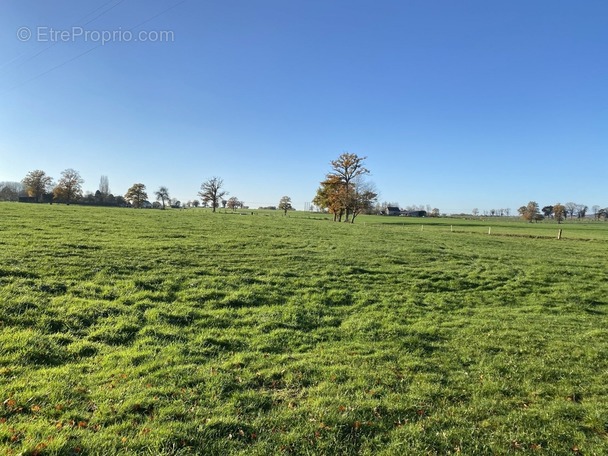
(457, 104)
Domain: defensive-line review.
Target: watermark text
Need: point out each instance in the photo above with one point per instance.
(102, 37)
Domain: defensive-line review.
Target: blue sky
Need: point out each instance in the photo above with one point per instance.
(457, 104)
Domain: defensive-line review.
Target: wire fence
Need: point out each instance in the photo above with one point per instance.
(591, 232)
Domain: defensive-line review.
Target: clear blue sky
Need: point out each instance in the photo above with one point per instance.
(456, 104)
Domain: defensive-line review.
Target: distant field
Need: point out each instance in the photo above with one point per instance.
(183, 332)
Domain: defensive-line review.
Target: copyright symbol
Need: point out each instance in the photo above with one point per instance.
(24, 34)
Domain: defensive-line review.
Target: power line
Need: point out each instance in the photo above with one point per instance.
(102, 13)
(43, 50)
(93, 48)
(159, 14)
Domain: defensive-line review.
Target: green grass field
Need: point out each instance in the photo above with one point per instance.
(184, 332)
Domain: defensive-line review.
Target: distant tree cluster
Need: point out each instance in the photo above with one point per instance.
(38, 187)
(559, 212)
(345, 193)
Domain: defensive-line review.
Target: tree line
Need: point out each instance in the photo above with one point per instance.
(39, 187)
(560, 212)
(345, 192)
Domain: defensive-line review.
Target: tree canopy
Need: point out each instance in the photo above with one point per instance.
(559, 212)
(136, 195)
(37, 183)
(285, 204)
(234, 203)
(69, 187)
(344, 192)
(530, 212)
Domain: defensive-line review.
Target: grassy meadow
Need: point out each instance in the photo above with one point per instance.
(184, 332)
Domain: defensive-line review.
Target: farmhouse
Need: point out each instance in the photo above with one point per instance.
(391, 210)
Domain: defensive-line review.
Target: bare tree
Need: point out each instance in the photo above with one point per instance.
(362, 197)
(595, 209)
(162, 194)
(211, 192)
(581, 211)
(570, 209)
(475, 212)
(69, 187)
(104, 186)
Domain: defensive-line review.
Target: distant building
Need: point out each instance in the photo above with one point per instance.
(46, 198)
(391, 210)
(414, 213)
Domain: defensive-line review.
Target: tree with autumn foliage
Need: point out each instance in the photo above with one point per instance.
(37, 183)
(559, 212)
(330, 196)
(530, 212)
(69, 187)
(344, 192)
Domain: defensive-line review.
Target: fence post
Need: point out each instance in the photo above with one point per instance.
(490, 230)
(559, 234)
